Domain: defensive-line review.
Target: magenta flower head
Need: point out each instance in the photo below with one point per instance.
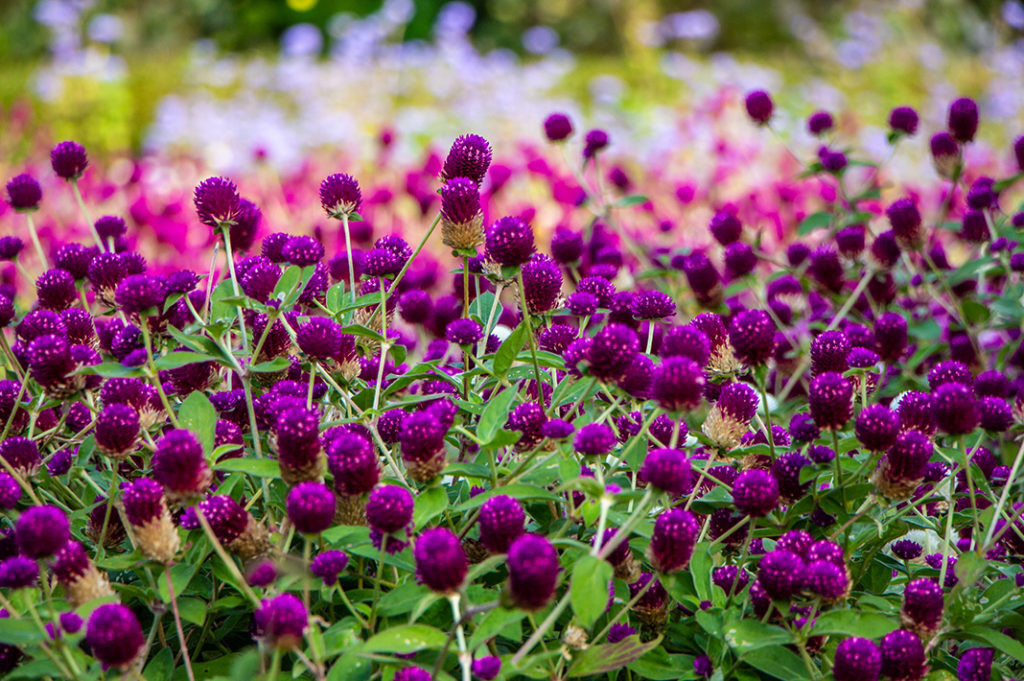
(955, 408)
(117, 430)
(752, 335)
(303, 251)
(281, 621)
(922, 606)
(907, 549)
(950, 371)
(975, 665)
(827, 580)
(903, 119)
(678, 384)
(509, 242)
(145, 508)
(340, 195)
(22, 454)
(831, 400)
(320, 338)
(595, 141)
(55, 290)
(595, 439)
(41, 531)
(18, 572)
(729, 419)
(740, 260)
(180, 466)
(138, 293)
(557, 127)
(820, 122)
(974, 227)
(611, 352)
(532, 572)
(945, 154)
(389, 509)
(110, 227)
(486, 668)
(469, 157)
(226, 517)
(502, 521)
(903, 656)
(904, 466)
(786, 471)
(461, 219)
(353, 463)
(542, 283)
(759, 106)
(877, 427)
(328, 565)
(652, 305)
(755, 492)
(440, 561)
(891, 336)
(686, 341)
(829, 351)
(962, 120)
(10, 247)
(10, 491)
(667, 470)
(217, 202)
(725, 227)
(703, 278)
(24, 193)
(422, 443)
(69, 160)
(857, 659)
(672, 541)
(780, 574)
(311, 507)
(906, 223)
(463, 332)
(114, 635)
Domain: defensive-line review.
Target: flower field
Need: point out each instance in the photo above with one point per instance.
(733, 392)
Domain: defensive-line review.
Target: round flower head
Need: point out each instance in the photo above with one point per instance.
(877, 427)
(955, 409)
(667, 470)
(780, 574)
(353, 463)
(595, 141)
(945, 154)
(703, 278)
(906, 223)
(916, 412)
(542, 282)
(982, 193)
(950, 372)
(857, 659)
(595, 439)
(995, 414)
(41, 531)
(759, 106)
(328, 565)
(922, 606)
(974, 227)
(486, 668)
(180, 466)
(320, 338)
(281, 621)
(975, 665)
(903, 119)
(137, 293)
(22, 454)
(752, 335)
(672, 541)
(962, 120)
(652, 305)
(803, 429)
(263, 573)
(611, 352)
(303, 251)
(725, 227)
(755, 492)
(311, 507)
(820, 122)
(786, 471)
(226, 517)
(24, 193)
(903, 656)
(686, 341)
(566, 246)
(415, 306)
(217, 201)
(55, 289)
(389, 509)
(469, 157)
(557, 127)
(74, 258)
(740, 260)
(110, 227)
(502, 521)
(828, 581)
(114, 636)
(117, 429)
(904, 466)
(247, 222)
(907, 549)
(829, 351)
(532, 572)
(260, 278)
(730, 418)
(18, 573)
(422, 443)
(509, 242)
(340, 195)
(557, 429)
(412, 674)
(678, 384)
(831, 400)
(10, 491)
(69, 160)
(464, 332)
(440, 560)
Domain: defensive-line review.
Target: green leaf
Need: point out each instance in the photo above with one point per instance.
(108, 370)
(218, 308)
(274, 366)
(631, 200)
(509, 350)
(192, 610)
(406, 639)
(20, 632)
(261, 468)
(200, 416)
(975, 311)
(45, 668)
(495, 414)
(607, 657)
(854, 623)
(497, 621)
(997, 640)
(590, 580)
(516, 491)
(748, 635)
(658, 665)
(181, 575)
(813, 222)
(288, 280)
(429, 505)
(777, 662)
(179, 359)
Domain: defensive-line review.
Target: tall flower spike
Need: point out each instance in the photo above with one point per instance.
(461, 217)
(150, 520)
(469, 157)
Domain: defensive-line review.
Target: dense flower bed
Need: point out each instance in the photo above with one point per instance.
(783, 446)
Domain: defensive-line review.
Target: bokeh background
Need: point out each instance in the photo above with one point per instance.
(232, 82)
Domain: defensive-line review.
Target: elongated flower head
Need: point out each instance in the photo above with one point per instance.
(542, 282)
(922, 606)
(353, 463)
(469, 157)
(462, 221)
(831, 400)
(532, 572)
(962, 120)
(759, 106)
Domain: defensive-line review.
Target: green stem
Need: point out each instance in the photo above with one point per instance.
(348, 253)
(35, 241)
(86, 216)
(529, 333)
(177, 624)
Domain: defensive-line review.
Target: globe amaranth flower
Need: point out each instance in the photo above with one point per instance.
(340, 195)
(117, 430)
(145, 509)
(281, 621)
(830, 397)
(917, 412)
(311, 507)
(138, 293)
(461, 217)
(678, 384)
(820, 122)
(110, 227)
(41, 531)
(652, 605)
(532, 572)
(328, 565)
(729, 419)
(389, 509)
(786, 471)
(261, 574)
(906, 223)
(24, 193)
(752, 335)
(759, 106)
(962, 120)
(55, 290)
(509, 242)
(10, 491)
(557, 127)
(611, 352)
(950, 371)
(703, 278)
(672, 541)
(780, 574)
(463, 332)
(667, 470)
(922, 607)
(18, 572)
(945, 154)
(303, 251)
(755, 492)
(982, 194)
(320, 338)
(422, 442)
(22, 454)
(904, 466)
(247, 222)
(829, 351)
(502, 521)
(69, 160)
(857, 659)
(486, 668)
(686, 341)
(595, 439)
(114, 636)
(907, 549)
(596, 140)
(652, 305)
(217, 202)
(876, 427)
(903, 119)
(903, 656)
(440, 560)
(180, 465)
(995, 414)
(297, 430)
(826, 580)
(955, 409)
(542, 283)
(527, 418)
(469, 157)
(975, 665)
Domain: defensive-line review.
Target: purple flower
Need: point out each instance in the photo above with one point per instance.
(829, 351)
(827, 580)
(353, 463)
(320, 338)
(786, 471)
(820, 122)
(179, 464)
(226, 517)
(595, 141)
(557, 429)
(340, 195)
(110, 227)
(502, 521)
(464, 332)
(114, 636)
(22, 454)
(955, 409)
(117, 429)
(566, 246)
(18, 572)
(557, 127)
(618, 632)
(217, 201)
(509, 242)
(780, 574)
(759, 106)
(922, 605)
(440, 560)
(831, 400)
(703, 278)
(10, 491)
(595, 439)
(672, 541)
(903, 656)
(803, 429)
(906, 549)
(611, 352)
(462, 222)
(328, 565)
(975, 665)
(857, 659)
(755, 492)
(389, 509)
(945, 153)
(311, 507)
(281, 621)
(486, 668)
(542, 283)
(877, 427)
(652, 305)
(686, 341)
(69, 160)
(469, 157)
(752, 334)
(667, 470)
(303, 251)
(262, 574)
(678, 384)
(55, 289)
(41, 531)
(24, 194)
(962, 120)
(532, 572)
(903, 119)
(138, 293)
